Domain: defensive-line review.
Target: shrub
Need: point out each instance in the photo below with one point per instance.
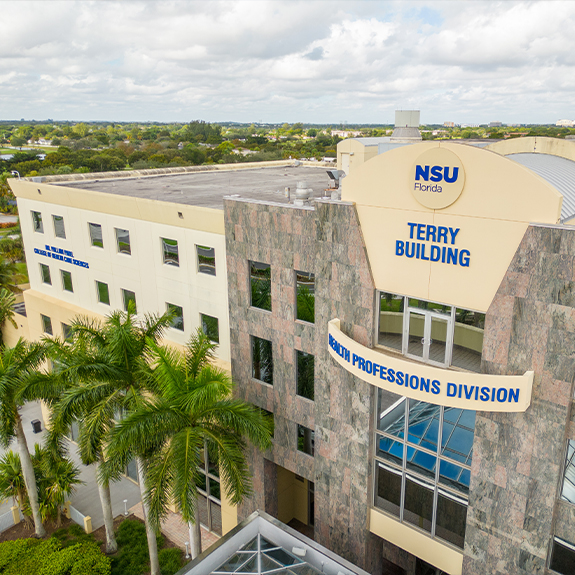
(132, 558)
(170, 560)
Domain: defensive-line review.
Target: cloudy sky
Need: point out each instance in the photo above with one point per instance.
(287, 61)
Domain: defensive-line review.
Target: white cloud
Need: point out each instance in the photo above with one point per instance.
(287, 60)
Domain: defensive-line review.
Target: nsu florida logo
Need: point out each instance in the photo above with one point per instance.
(434, 174)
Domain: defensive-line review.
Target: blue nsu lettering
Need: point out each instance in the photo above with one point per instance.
(438, 173)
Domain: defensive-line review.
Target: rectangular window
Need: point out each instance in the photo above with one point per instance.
(562, 557)
(305, 296)
(103, 292)
(59, 230)
(210, 327)
(206, 260)
(177, 317)
(129, 299)
(170, 251)
(568, 491)
(66, 332)
(262, 360)
(123, 241)
(45, 274)
(305, 440)
(305, 374)
(261, 285)
(46, 324)
(37, 224)
(67, 281)
(96, 235)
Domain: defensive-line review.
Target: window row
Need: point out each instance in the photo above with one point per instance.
(263, 366)
(261, 291)
(170, 254)
(209, 324)
(423, 456)
(438, 334)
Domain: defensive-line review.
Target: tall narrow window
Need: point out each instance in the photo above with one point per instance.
(305, 296)
(123, 241)
(96, 235)
(423, 464)
(261, 285)
(206, 260)
(305, 374)
(46, 324)
(129, 298)
(305, 440)
(59, 230)
(37, 224)
(45, 274)
(210, 327)
(67, 332)
(170, 252)
(177, 316)
(262, 360)
(103, 292)
(67, 281)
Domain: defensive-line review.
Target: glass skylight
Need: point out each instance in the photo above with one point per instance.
(261, 556)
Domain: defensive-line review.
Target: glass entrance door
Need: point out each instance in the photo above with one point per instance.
(427, 336)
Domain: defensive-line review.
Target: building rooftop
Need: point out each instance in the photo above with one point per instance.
(262, 544)
(207, 188)
(559, 172)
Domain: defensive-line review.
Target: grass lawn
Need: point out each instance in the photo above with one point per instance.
(46, 149)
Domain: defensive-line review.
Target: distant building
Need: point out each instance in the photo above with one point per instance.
(495, 124)
(346, 133)
(565, 123)
(449, 124)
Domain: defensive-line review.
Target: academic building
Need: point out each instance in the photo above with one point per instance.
(409, 321)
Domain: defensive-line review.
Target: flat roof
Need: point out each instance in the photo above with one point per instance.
(208, 188)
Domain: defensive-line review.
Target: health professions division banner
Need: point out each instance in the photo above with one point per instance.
(480, 392)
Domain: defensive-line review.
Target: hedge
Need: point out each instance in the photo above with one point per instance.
(36, 557)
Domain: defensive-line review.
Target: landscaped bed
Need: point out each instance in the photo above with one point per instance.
(70, 551)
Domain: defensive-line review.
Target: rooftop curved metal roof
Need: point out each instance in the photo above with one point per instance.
(559, 172)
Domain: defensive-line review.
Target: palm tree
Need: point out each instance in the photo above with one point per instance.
(7, 301)
(193, 410)
(8, 270)
(19, 377)
(12, 481)
(103, 372)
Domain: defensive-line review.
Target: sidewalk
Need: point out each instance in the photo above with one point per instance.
(176, 530)
(86, 498)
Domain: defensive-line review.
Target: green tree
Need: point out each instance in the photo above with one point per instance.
(193, 411)
(8, 270)
(103, 373)
(18, 380)
(7, 301)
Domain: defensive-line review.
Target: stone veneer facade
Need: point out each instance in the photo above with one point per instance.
(517, 470)
(514, 509)
(327, 241)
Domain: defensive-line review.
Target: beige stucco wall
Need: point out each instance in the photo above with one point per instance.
(438, 554)
(499, 199)
(535, 144)
(352, 153)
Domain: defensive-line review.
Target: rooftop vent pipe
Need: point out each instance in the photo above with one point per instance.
(302, 194)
